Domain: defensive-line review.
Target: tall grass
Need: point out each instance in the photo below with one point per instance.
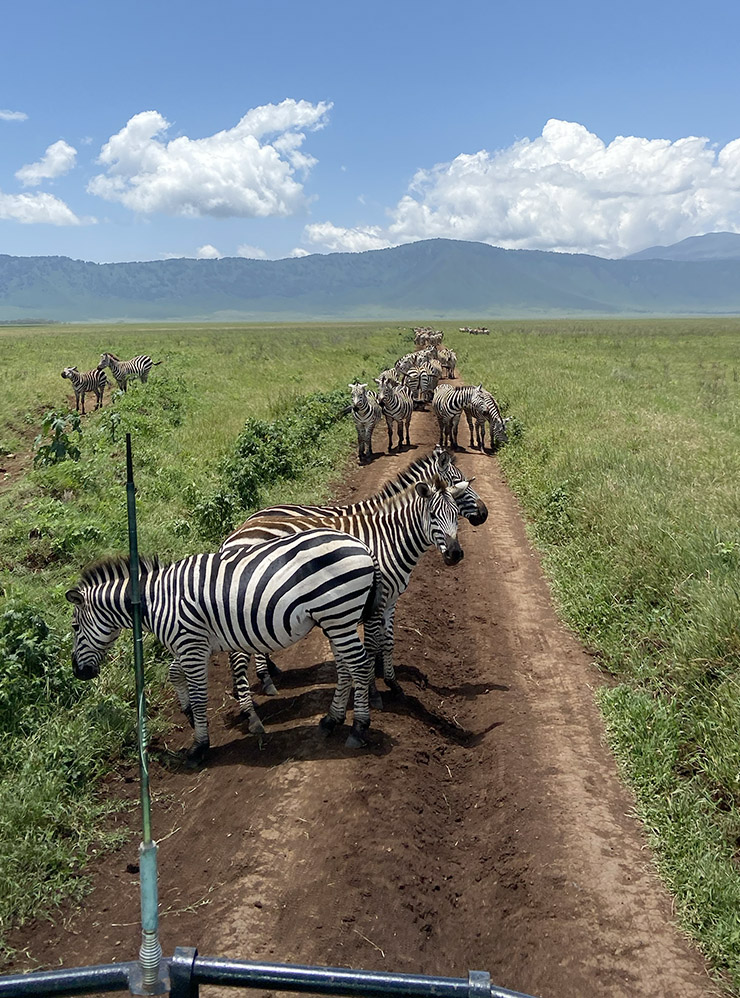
(627, 464)
(216, 385)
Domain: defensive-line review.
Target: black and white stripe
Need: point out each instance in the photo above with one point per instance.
(397, 531)
(91, 381)
(483, 409)
(366, 413)
(448, 404)
(256, 600)
(397, 407)
(123, 370)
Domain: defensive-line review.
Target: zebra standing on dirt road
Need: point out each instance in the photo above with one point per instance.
(91, 381)
(483, 409)
(448, 404)
(397, 532)
(257, 600)
(398, 407)
(137, 367)
(366, 413)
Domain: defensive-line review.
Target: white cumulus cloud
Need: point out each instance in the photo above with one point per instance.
(13, 116)
(32, 209)
(253, 170)
(251, 252)
(339, 239)
(208, 252)
(565, 190)
(59, 158)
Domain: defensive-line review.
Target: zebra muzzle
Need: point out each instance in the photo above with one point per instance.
(84, 671)
(453, 553)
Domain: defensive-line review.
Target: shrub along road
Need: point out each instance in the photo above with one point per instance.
(486, 827)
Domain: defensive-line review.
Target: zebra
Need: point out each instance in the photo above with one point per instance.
(397, 407)
(448, 359)
(448, 404)
(256, 600)
(91, 381)
(137, 367)
(484, 409)
(366, 413)
(397, 531)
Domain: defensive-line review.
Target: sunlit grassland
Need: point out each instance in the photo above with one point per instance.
(57, 736)
(627, 467)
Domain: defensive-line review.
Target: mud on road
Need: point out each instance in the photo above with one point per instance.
(485, 828)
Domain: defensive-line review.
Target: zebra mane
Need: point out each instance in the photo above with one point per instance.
(115, 566)
(112, 355)
(407, 477)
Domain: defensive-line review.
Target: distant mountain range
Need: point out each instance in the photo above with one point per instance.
(433, 279)
(712, 246)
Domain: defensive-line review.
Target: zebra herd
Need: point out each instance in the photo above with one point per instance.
(286, 570)
(412, 382)
(95, 380)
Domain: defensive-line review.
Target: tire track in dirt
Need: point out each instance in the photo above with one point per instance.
(485, 828)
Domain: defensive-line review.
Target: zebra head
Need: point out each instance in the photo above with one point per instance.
(442, 515)
(359, 395)
(104, 361)
(469, 503)
(93, 632)
(69, 371)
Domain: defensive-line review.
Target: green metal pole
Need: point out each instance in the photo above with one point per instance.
(150, 954)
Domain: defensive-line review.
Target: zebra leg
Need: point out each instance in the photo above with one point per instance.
(194, 663)
(374, 649)
(408, 431)
(352, 659)
(389, 673)
(177, 677)
(83, 403)
(469, 418)
(389, 425)
(239, 661)
(263, 674)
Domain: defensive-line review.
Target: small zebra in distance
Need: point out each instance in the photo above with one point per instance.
(366, 413)
(249, 600)
(397, 407)
(448, 404)
(483, 409)
(137, 367)
(397, 532)
(91, 381)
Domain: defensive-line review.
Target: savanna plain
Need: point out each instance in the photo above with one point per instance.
(624, 455)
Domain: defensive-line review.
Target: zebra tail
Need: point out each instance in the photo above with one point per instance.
(156, 362)
(375, 597)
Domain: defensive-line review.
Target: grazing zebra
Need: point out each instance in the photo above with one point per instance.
(448, 404)
(256, 600)
(366, 413)
(91, 381)
(397, 407)
(483, 409)
(137, 367)
(397, 531)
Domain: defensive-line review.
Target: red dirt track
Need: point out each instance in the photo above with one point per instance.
(484, 829)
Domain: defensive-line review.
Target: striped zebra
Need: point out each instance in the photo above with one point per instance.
(397, 531)
(91, 381)
(257, 600)
(481, 410)
(448, 404)
(397, 407)
(366, 413)
(448, 360)
(137, 367)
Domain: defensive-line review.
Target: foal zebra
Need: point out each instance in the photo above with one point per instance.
(397, 531)
(448, 404)
(366, 413)
(137, 367)
(397, 407)
(91, 381)
(257, 600)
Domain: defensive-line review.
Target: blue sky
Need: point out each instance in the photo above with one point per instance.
(148, 130)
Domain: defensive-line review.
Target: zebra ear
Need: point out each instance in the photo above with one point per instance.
(423, 490)
(458, 489)
(75, 596)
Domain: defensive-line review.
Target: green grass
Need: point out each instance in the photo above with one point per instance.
(627, 465)
(59, 736)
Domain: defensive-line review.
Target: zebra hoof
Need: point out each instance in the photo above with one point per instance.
(188, 712)
(356, 738)
(376, 700)
(254, 724)
(196, 754)
(269, 688)
(328, 724)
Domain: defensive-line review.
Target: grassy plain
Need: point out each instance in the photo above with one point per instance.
(58, 736)
(628, 467)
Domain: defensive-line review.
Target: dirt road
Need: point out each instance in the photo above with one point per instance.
(485, 829)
